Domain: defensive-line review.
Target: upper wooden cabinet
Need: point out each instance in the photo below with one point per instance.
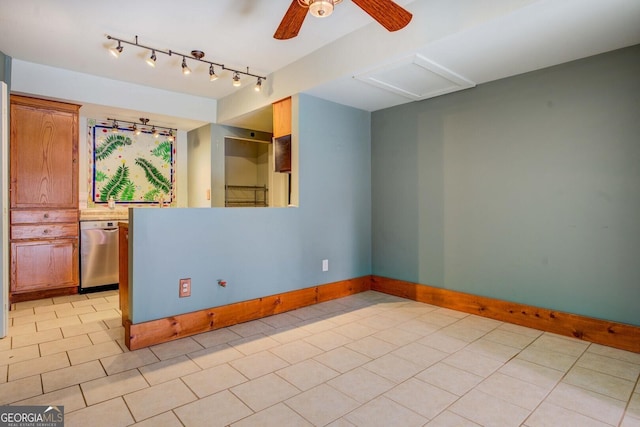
(44, 153)
(282, 118)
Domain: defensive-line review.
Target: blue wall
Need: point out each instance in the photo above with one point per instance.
(525, 189)
(264, 251)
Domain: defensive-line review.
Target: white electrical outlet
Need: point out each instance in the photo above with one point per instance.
(325, 265)
(185, 288)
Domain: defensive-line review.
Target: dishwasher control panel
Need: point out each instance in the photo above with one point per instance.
(90, 225)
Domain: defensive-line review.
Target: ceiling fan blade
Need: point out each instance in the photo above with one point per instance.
(389, 14)
(291, 22)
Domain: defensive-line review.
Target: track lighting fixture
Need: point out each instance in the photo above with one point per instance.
(236, 79)
(185, 68)
(144, 121)
(196, 55)
(152, 59)
(168, 132)
(212, 74)
(258, 86)
(116, 51)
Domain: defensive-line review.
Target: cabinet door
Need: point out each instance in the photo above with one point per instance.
(44, 169)
(44, 264)
(282, 118)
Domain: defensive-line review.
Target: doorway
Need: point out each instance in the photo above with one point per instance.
(246, 166)
(4, 205)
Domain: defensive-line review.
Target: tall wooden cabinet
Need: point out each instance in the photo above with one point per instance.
(43, 198)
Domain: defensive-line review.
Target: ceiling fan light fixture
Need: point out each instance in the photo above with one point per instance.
(321, 8)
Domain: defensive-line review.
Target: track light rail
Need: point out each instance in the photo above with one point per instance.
(195, 55)
(143, 122)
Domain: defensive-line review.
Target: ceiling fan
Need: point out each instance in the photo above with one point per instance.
(389, 14)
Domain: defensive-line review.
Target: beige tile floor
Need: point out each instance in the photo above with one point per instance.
(366, 360)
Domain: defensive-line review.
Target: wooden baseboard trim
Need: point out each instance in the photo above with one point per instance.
(613, 334)
(48, 293)
(144, 334)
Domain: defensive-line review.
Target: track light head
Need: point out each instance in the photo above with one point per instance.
(185, 69)
(236, 79)
(212, 74)
(152, 59)
(258, 86)
(154, 132)
(116, 51)
(114, 127)
(135, 129)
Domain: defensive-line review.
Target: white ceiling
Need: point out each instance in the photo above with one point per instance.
(332, 58)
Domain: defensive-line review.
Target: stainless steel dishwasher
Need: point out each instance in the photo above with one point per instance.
(98, 255)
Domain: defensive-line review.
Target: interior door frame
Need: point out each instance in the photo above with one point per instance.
(4, 205)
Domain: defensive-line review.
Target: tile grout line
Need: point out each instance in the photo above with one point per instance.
(560, 382)
(626, 407)
(474, 387)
